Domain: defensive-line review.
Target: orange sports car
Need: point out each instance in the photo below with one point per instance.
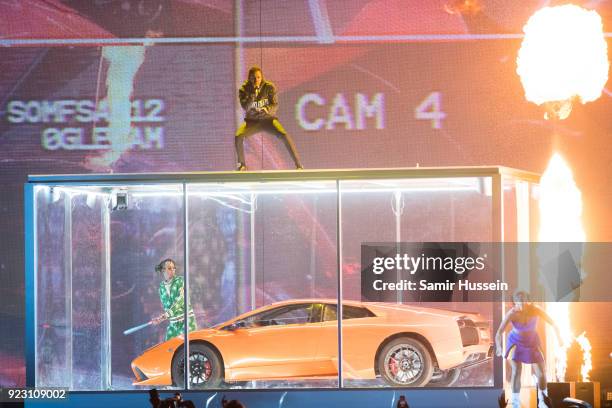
(298, 339)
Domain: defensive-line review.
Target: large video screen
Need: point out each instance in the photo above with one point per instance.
(137, 87)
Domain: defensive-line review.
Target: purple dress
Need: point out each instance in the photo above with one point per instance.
(526, 342)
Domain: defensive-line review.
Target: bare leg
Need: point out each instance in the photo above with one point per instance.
(517, 368)
(540, 372)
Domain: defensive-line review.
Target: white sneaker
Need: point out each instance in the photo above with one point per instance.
(516, 400)
(541, 403)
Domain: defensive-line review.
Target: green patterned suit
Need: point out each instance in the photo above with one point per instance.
(172, 297)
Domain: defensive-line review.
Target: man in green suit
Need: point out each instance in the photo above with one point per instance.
(172, 296)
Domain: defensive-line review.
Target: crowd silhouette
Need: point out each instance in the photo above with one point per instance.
(177, 401)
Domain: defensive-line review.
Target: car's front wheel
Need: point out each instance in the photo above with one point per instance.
(405, 362)
(204, 367)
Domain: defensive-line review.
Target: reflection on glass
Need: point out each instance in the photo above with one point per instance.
(97, 247)
(403, 344)
(256, 265)
(53, 315)
(150, 230)
(252, 245)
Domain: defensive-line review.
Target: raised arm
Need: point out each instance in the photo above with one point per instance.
(500, 332)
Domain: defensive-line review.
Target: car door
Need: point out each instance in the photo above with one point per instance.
(327, 354)
(277, 343)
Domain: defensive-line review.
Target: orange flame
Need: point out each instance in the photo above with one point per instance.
(559, 311)
(560, 221)
(587, 363)
(563, 58)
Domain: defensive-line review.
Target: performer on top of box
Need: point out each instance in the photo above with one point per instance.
(258, 99)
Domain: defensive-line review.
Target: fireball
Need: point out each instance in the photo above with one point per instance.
(563, 58)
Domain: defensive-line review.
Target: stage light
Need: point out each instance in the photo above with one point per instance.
(119, 200)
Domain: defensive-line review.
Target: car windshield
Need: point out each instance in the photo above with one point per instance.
(348, 312)
(283, 315)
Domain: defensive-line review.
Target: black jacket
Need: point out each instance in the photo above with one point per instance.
(266, 101)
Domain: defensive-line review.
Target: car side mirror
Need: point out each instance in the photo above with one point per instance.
(235, 326)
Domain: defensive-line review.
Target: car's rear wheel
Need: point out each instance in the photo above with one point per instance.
(405, 362)
(204, 367)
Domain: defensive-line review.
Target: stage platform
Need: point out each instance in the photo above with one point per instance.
(417, 398)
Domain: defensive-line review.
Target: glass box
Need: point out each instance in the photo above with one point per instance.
(264, 262)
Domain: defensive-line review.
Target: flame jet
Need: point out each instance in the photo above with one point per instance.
(563, 59)
(560, 221)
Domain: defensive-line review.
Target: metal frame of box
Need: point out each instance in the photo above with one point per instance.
(495, 173)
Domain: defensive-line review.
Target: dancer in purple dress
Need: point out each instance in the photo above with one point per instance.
(523, 345)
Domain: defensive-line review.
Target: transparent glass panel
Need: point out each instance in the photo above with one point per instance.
(261, 284)
(517, 228)
(88, 212)
(521, 215)
(262, 267)
(148, 230)
(97, 250)
(518, 211)
(381, 342)
(53, 289)
(534, 211)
